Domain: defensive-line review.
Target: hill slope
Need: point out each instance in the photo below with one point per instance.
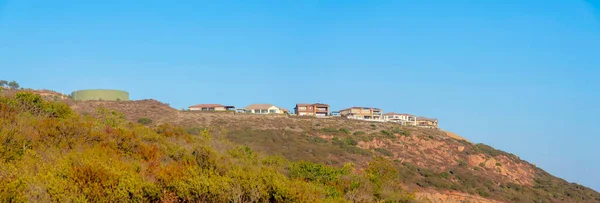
(428, 163)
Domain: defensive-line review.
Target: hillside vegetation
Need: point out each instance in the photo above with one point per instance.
(50, 153)
(428, 161)
(90, 152)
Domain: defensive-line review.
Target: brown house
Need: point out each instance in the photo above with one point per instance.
(211, 107)
(316, 109)
(362, 113)
(427, 122)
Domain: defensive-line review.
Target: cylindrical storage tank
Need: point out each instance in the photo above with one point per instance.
(106, 95)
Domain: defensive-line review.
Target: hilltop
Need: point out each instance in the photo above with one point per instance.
(432, 165)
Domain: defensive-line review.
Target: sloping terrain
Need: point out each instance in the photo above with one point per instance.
(49, 153)
(429, 159)
(436, 165)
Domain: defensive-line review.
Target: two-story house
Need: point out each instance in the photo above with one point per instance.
(211, 107)
(366, 113)
(427, 122)
(265, 109)
(316, 109)
(405, 119)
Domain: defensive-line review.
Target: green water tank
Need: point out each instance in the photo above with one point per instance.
(100, 94)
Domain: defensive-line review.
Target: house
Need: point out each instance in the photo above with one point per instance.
(405, 119)
(335, 113)
(316, 109)
(367, 113)
(265, 109)
(211, 107)
(427, 122)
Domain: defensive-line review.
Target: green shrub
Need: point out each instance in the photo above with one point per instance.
(350, 141)
(385, 152)
(345, 131)
(388, 134)
(145, 121)
(329, 130)
(357, 133)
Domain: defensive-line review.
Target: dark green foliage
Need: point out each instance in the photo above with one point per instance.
(145, 121)
(13, 85)
(388, 134)
(349, 145)
(329, 130)
(385, 152)
(358, 133)
(345, 131)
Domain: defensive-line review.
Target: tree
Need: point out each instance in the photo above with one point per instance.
(145, 121)
(13, 85)
(3, 83)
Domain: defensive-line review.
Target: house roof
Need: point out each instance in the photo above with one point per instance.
(396, 114)
(315, 104)
(259, 106)
(207, 105)
(264, 106)
(358, 107)
(427, 119)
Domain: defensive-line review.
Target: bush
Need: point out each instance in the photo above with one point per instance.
(388, 134)
(357, 133)
(384, 152)
(345, 131)
(329, 130)
(145, 121)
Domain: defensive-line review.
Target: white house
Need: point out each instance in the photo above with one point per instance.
(265, 109)
(405, 119)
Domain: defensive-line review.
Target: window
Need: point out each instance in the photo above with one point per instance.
(303, 108)
(272, 111)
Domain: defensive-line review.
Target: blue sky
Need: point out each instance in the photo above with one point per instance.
(520, 75)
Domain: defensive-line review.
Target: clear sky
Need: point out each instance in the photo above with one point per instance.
(520, 75)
